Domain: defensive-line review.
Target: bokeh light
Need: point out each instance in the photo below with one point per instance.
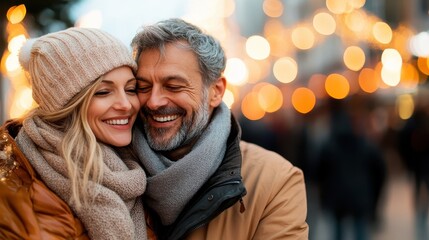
(257, 47)
(303, 38)
(22, 102)
(392, 65)
(273, 8)
(390, 77)
(303, 100)
(409, 76)
(270, 98)
(418, 44)
(382, 32)
(354, 58)
(250, 107)
(337, 86)
(324, 23)
(356, 21)
(391, 59)
(228, 98)
(368, 80)
(405, 106)
(236, 72)
(16, 14)
(285, 69)
(423, 65)
(336, 6)
(356, 4)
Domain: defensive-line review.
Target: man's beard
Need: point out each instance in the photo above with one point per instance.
(190, 129)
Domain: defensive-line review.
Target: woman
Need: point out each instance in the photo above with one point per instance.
(58, 166)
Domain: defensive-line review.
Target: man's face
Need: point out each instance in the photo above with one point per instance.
(174, 101)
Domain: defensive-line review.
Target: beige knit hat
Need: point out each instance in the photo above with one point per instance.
(61, 64)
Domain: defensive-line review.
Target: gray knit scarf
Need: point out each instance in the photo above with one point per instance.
(117, 211)
(171, 184)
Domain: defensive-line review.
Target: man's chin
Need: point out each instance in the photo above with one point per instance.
(164, 139)
(159, 144)
(160, 147)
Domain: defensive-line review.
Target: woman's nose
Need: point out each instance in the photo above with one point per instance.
(122, 102)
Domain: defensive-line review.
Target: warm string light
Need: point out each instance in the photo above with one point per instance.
(18, 101)
(349, 21)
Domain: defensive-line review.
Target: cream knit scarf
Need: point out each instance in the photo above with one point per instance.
(171, 184)
(117, 212)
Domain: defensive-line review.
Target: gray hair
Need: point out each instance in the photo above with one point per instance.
(211, 57)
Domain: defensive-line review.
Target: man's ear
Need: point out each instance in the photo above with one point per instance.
(217, 90)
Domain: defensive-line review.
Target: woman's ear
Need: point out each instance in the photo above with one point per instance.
(216, 92)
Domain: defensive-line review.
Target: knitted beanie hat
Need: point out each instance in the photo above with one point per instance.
(63, 63)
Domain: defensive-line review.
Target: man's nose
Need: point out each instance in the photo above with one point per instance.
(156, 99)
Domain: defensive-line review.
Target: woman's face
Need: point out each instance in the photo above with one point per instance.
(113, 108)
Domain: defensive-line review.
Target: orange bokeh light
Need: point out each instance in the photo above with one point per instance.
(337, 86)
(250, 107)
(303, 100)
(368, 80)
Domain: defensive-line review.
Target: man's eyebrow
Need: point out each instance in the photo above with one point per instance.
(165, 79)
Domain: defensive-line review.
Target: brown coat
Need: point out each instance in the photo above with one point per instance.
(275, 203)
(29, 209)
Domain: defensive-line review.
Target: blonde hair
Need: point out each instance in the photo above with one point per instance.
(79, 147)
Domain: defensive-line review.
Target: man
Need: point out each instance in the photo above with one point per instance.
(189, 144)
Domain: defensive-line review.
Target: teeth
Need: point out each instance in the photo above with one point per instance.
(117, 121)
(166, 118)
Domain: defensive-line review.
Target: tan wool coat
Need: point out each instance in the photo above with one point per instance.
(275, 203)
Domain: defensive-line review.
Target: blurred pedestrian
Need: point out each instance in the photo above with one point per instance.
(414, 149)
(351, 174)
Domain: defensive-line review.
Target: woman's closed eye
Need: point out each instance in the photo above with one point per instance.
(131, 90)
(101, 93)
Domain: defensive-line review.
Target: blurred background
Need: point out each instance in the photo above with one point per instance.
(338, 87)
